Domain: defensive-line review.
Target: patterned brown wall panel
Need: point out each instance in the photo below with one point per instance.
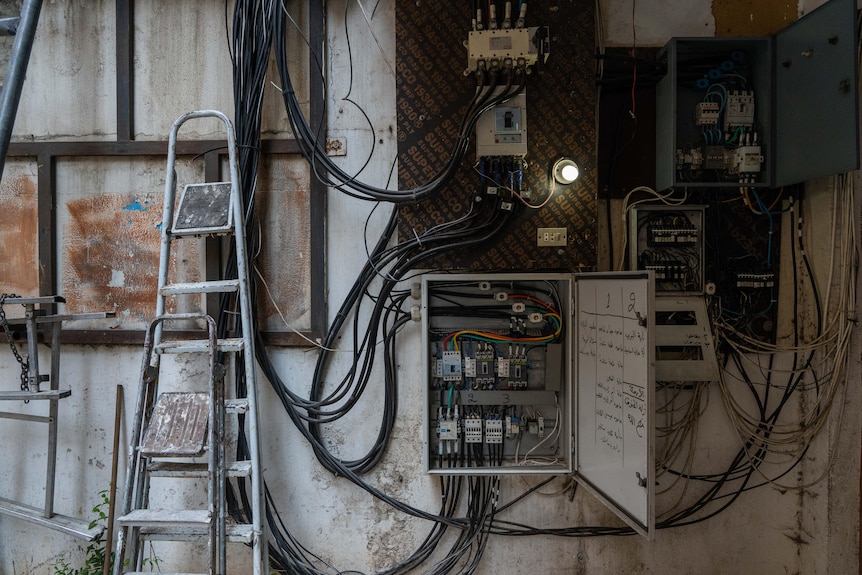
(19, 256)
(433, 94)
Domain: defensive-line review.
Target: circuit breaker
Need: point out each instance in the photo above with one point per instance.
(760, 112)
(542, 373)
(502, 130)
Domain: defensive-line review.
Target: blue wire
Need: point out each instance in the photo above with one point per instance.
(769, 215)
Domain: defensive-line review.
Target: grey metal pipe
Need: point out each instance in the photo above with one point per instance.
(15, 73)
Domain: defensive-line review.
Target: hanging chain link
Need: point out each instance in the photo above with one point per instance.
(25, 365)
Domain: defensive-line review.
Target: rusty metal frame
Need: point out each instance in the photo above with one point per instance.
(46, 154)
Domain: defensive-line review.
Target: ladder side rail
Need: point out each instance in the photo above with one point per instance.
(133, 485)
(16, 72)
(216, 465)
(53, 414)
(260, 551)
(167, 223)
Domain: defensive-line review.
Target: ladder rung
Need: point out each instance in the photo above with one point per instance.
(236, 405)
(234, 533)
(166, 518)
(220, 286)
(195, 470)
(231, 344)
(217, 231)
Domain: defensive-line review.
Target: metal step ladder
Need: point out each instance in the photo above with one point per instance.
(23, 28)
(174, 429)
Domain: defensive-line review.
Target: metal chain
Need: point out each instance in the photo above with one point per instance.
(25, 365)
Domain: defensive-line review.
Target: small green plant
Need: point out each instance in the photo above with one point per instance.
(94, 553)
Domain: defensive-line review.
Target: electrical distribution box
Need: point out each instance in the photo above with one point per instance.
(544, 374)
(760, 112)
(669, 241)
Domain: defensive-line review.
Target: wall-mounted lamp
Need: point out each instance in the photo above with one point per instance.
(566, 171)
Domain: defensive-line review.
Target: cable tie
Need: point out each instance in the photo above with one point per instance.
(418, 241)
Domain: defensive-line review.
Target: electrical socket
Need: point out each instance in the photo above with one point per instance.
(552, 237)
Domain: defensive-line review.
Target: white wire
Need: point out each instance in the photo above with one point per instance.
(665, 198)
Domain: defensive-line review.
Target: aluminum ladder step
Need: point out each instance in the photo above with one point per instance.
(204, 209)
(234, 533)
(166, 518)
(218, 286)
(195, 470)
(178, 426)
(231, 345)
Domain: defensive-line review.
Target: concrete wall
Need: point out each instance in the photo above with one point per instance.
(773, 529)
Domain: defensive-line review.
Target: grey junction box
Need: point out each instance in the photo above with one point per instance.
(797, 91)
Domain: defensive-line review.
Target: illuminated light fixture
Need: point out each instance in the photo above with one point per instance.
(566, 171)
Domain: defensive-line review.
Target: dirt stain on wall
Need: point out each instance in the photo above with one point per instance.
(747, 18)
(19, 236)
(111, 245)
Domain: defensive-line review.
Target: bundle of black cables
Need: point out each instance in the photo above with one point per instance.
(257, 27)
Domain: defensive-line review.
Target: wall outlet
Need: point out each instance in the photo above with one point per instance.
(551, 237)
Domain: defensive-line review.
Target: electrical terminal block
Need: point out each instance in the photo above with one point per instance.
(739, 111)
(755, 280)
(669, 271)
(473, 429)
(689, 159)
(671, 236)
(706, 113)
(527, 47)
(533, 427)
(493, 429)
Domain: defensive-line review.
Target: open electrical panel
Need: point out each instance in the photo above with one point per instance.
(760, 112)
(542, 373)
